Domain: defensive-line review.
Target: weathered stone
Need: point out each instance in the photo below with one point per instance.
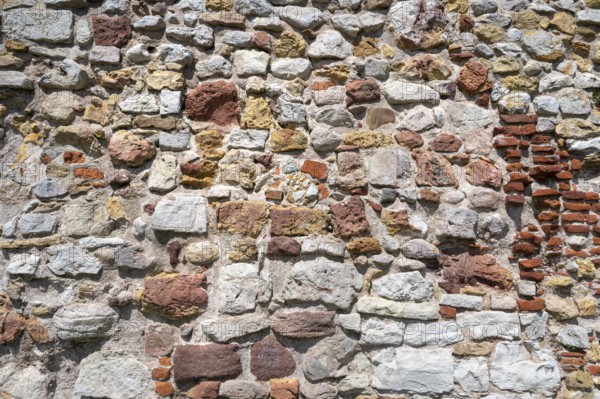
(409, 93)
(244, 217)
(115, 31)
(463, 268)
(241, 389)
(418, 26)
(442, 333)
(473, 78)
(290, 45)
(349, 218)
(84, 219)
(400, 310)
(303, 324)
(225, 329)
(159, 339)
(321, 281)
(56, 27)
(67, 259)
(576, 129)
(68, 75)
(483, 172)
(283, 140)
(433, 170)
(409, 286)
(329, 44)
(32, 224)
(543, 46)
(561, 308)
(419, 371)
(291, 68)
(11, 324)
(183, 213)
(377, 331)
(173, 295)
(250, 62)
(205, 390)
(516, 368)
(302, 17)
(111, 375)
(214, 102)
(325, 358)
(574, 337)
(191, 362)
(84, 322)
(257, 113)
(270, 359)
(130, 149)
(242, 287)
(164, 174)
(297, 221)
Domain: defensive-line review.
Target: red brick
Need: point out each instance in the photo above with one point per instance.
(71, 157)
(161, 373)
(573, 195)
(515, 199)
(534, 276)
(165, 361)
(550, 229)
(573, 206)
(512, 154)
(524, 247)
(513, 167)
(502, 142)
(554, 242)
(447, 312)
(513, 186)
(572, 217)
(547, 216)
(545, 192)
(574, 361)
(533, 305)
(541, 139)
(544, 170)
(530, 263)
(571, 253)
(576, 164)
(593, 369)
(546, 159)
(564, 175)
(164, 388)
(591, 196)
(543, 148)
(576, 229)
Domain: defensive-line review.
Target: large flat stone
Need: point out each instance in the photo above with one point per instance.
(192, 362)
(51, 26)
(425, 371)
(183, 214)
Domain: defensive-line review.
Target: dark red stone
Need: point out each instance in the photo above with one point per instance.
(212, 361)
(173, 249)
(270, 359)
(445, 142)
(463, 268)
(214, 102)
(349, 218)
(283, 246)
(111, 31)
(363, 90)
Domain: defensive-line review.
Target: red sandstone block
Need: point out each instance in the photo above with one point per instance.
(545, 192)
(164, 388)
(316, 169)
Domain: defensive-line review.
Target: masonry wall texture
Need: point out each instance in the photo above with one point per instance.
(285, 199)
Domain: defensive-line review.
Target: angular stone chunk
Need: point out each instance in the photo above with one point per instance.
(297, 221)
(415, 370)
(349, 218)
(214, 101)
(387, 165)
(409, 93)
(183, 214)
(111, 31)
(68, 259)
(462, 301)
(433, 170)
(15, 80)
(130, 149)
(242, 389)
(191, 362)
(460, 268)
(270, 359)
(409, 286)
(242, 217)
(400, 310)
(303, 324)
(441, 333)
(173, 295)
(458, 223)
(490, 324)
(106, 374)
(251, 139)
(51, 26)
(325, 359)
(159, 339)
(241, 287)
(322, 281)
(37, 223)
(377, 331)
(84, 322)
(516, 368)
(226, 328)
(472, 374)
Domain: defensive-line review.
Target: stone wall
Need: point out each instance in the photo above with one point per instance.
(284, 199)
